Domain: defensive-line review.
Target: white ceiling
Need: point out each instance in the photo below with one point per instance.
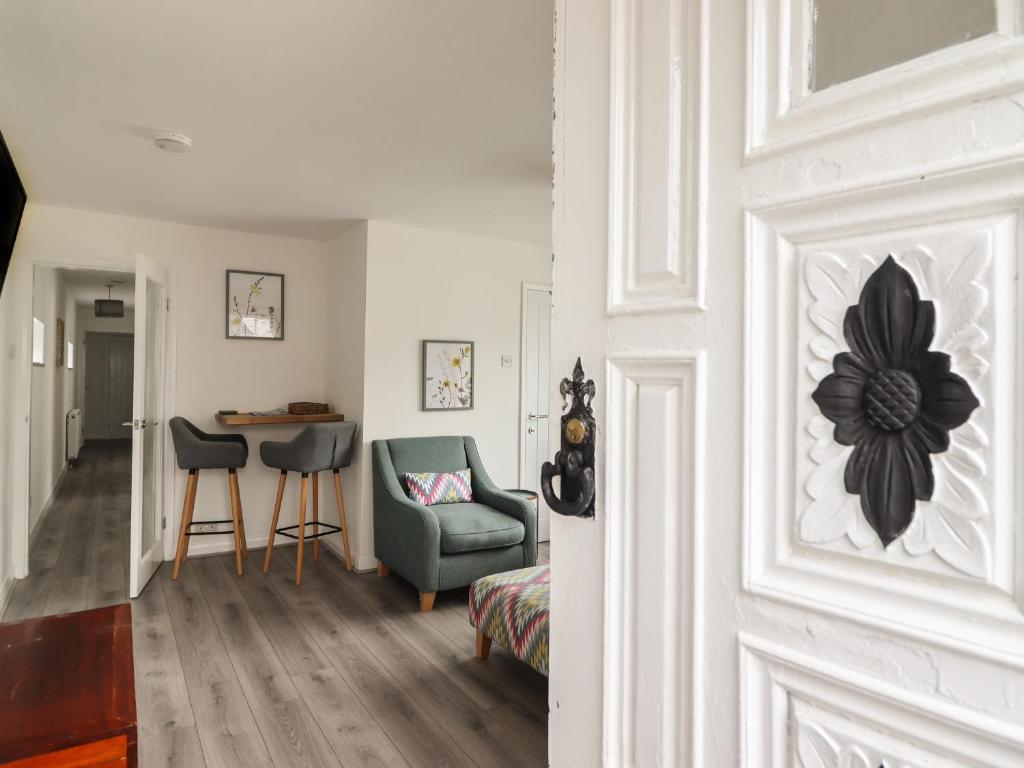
(304, 115)
(87, 285)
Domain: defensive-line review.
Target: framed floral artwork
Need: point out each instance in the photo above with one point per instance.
(447, 375)
(255, 305)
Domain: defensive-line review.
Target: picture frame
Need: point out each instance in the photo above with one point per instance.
(448, 375)
(254, 305)
(59, 357)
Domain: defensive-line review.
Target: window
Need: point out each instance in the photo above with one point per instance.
(71, 356)
(38, 341)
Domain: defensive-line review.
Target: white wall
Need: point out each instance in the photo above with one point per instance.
(346, 300)
(53, 390)
(211, 371)
(423, 284)
(14, 347)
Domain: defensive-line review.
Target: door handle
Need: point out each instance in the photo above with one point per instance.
(534, 416)
(139, 423)
(574, 463)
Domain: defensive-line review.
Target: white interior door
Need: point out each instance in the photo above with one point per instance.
(148, 423)
(535, 389)
(788, 568)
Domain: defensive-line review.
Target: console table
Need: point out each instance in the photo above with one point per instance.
(248, 419)
(67, 691)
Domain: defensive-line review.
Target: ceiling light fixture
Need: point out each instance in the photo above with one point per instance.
(109, 307)
(169, 141)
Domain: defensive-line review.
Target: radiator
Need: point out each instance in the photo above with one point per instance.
(73, 434)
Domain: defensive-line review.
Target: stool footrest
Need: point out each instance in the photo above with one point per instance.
(330, 529)
(190, 532)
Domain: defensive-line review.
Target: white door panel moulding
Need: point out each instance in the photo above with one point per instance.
(783, 114)
(954, 578)
(654, 554)
(804, 712)
(656, 253)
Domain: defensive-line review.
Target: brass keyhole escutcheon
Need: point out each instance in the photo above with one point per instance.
(575, 431)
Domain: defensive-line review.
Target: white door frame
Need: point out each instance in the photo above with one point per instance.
(20, 283)
(526, 287)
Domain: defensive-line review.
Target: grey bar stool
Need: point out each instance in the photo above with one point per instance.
(315, 449)
(198, 450)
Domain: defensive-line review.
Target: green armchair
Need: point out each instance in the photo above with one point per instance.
(445, 546)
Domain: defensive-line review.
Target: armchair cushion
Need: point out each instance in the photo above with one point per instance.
(468, 527)
(428, 454)
(439, 487)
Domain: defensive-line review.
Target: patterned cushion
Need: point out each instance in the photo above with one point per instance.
(513, 609)
(439, 487)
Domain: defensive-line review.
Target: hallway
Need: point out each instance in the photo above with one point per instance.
(79, 559)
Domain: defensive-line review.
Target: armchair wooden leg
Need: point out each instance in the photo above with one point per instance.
(236, 518)
(186, 520)
(303, 492)
(273, 521)
(483, 645)
(427, 601)
(382, 570)
(342, 521)
(316, 515)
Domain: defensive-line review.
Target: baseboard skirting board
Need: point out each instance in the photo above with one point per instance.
(33, 534)
(6, 592)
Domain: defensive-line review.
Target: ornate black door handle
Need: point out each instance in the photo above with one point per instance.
(574, 463)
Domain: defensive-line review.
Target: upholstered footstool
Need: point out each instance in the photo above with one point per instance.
(513, 610)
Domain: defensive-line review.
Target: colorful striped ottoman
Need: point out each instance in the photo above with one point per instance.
(513, 609)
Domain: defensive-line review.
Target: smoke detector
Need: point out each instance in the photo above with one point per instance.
(169, 141)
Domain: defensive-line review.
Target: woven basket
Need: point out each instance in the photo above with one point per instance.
(308, 409)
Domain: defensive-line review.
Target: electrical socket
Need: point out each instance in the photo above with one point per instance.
(205, 527)
(506, 361)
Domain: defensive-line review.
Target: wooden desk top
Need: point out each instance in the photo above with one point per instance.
(247, 419)
(66, 680)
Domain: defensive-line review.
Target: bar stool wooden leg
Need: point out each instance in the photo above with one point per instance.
(340, 495)
(186, 520)
(241, 525)
(236, 518)
(273, 521)
(303, 486)
(316, 515)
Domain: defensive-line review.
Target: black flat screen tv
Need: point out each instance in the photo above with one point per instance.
(12, 205)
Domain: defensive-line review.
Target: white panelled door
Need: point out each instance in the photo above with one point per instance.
(534, 388)
(148, 424)
(807, 549)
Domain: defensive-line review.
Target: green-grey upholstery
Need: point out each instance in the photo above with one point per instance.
(317, 448)
(196, 449)
(445, 546)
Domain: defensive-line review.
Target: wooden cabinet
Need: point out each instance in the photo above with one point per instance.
(67, 691)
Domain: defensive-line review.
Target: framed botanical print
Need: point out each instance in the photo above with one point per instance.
(447, 375)
(255, 305)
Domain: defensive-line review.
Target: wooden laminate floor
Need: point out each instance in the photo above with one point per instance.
(79, 556)
(254, 671)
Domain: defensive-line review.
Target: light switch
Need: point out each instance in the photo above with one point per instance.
(506, 361)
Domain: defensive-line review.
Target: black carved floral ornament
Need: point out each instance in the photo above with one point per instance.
(893, 399)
